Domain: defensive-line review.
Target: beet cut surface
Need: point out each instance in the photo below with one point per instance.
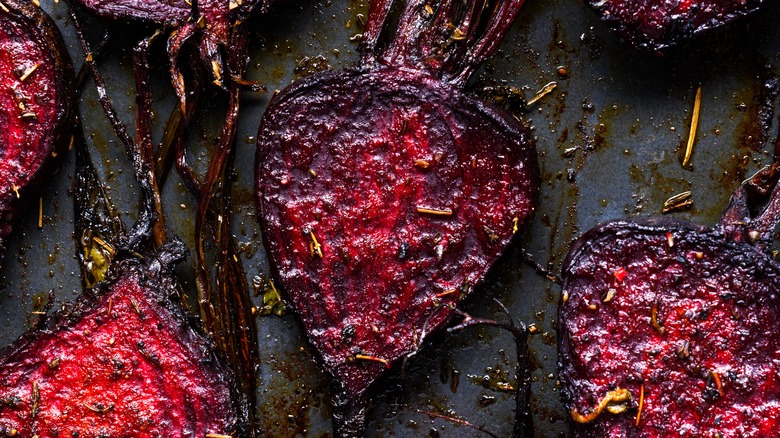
(36, 79)
(124, 362)
(658, 24)
(671, 329)
(386, 193)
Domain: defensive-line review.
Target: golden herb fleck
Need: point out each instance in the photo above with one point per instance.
(618, 396)
(694, 125)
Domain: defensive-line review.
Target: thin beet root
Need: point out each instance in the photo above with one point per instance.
(386, 193)
(36, 105)
(670, 328)
(659, 24)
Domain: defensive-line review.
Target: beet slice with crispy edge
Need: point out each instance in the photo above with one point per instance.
(124, 360)
(386, 193)
(658, 24)
(36, 76)
(667, 328)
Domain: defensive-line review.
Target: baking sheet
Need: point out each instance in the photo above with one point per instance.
(625, 112)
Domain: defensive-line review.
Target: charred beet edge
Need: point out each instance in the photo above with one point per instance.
(669, 328)
(386, 193)
(36, 77)
(658, 24)
(125, 360)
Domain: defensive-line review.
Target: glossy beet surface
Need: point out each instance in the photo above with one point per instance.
(679, 323)
(387, 193)
(657, 24)
(36, 79)
(411, 190)
(125, 362)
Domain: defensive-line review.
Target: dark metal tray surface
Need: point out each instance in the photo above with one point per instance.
(611, 137)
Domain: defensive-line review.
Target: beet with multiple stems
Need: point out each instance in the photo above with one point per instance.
(386, 193)
(669, 328)
(36, 104)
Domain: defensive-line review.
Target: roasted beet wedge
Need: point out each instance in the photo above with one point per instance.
(36, 77)
(386, 193)
(671, 329)
(123, 361)
(658, 24)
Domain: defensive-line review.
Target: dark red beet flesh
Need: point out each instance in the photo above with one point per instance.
(657, 24)
(125, 362)
(338, 166)
(36, 79)
(683, 319)
(385, 194)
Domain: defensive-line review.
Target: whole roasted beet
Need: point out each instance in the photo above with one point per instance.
(671, 329)
(125, 360)
(658, 24)
(36, 103)
(386, 193)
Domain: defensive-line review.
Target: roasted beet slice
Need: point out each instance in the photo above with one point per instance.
(36, 78)
(658, 24)
(671, 329)
(123, 361)
(386, 193)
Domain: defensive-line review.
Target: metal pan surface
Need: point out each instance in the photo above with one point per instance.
(611, 137)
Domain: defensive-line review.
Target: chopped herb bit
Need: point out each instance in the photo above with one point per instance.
(373, 359)
(30, 70)
(618, 396)
(641, 403)
(445, 293)
(314, 246)
(654, 319)
(98, 408)
(434, 211)
(677, 202)
(541, 93)
(718, 383)
(694, 124)
(422, 164)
